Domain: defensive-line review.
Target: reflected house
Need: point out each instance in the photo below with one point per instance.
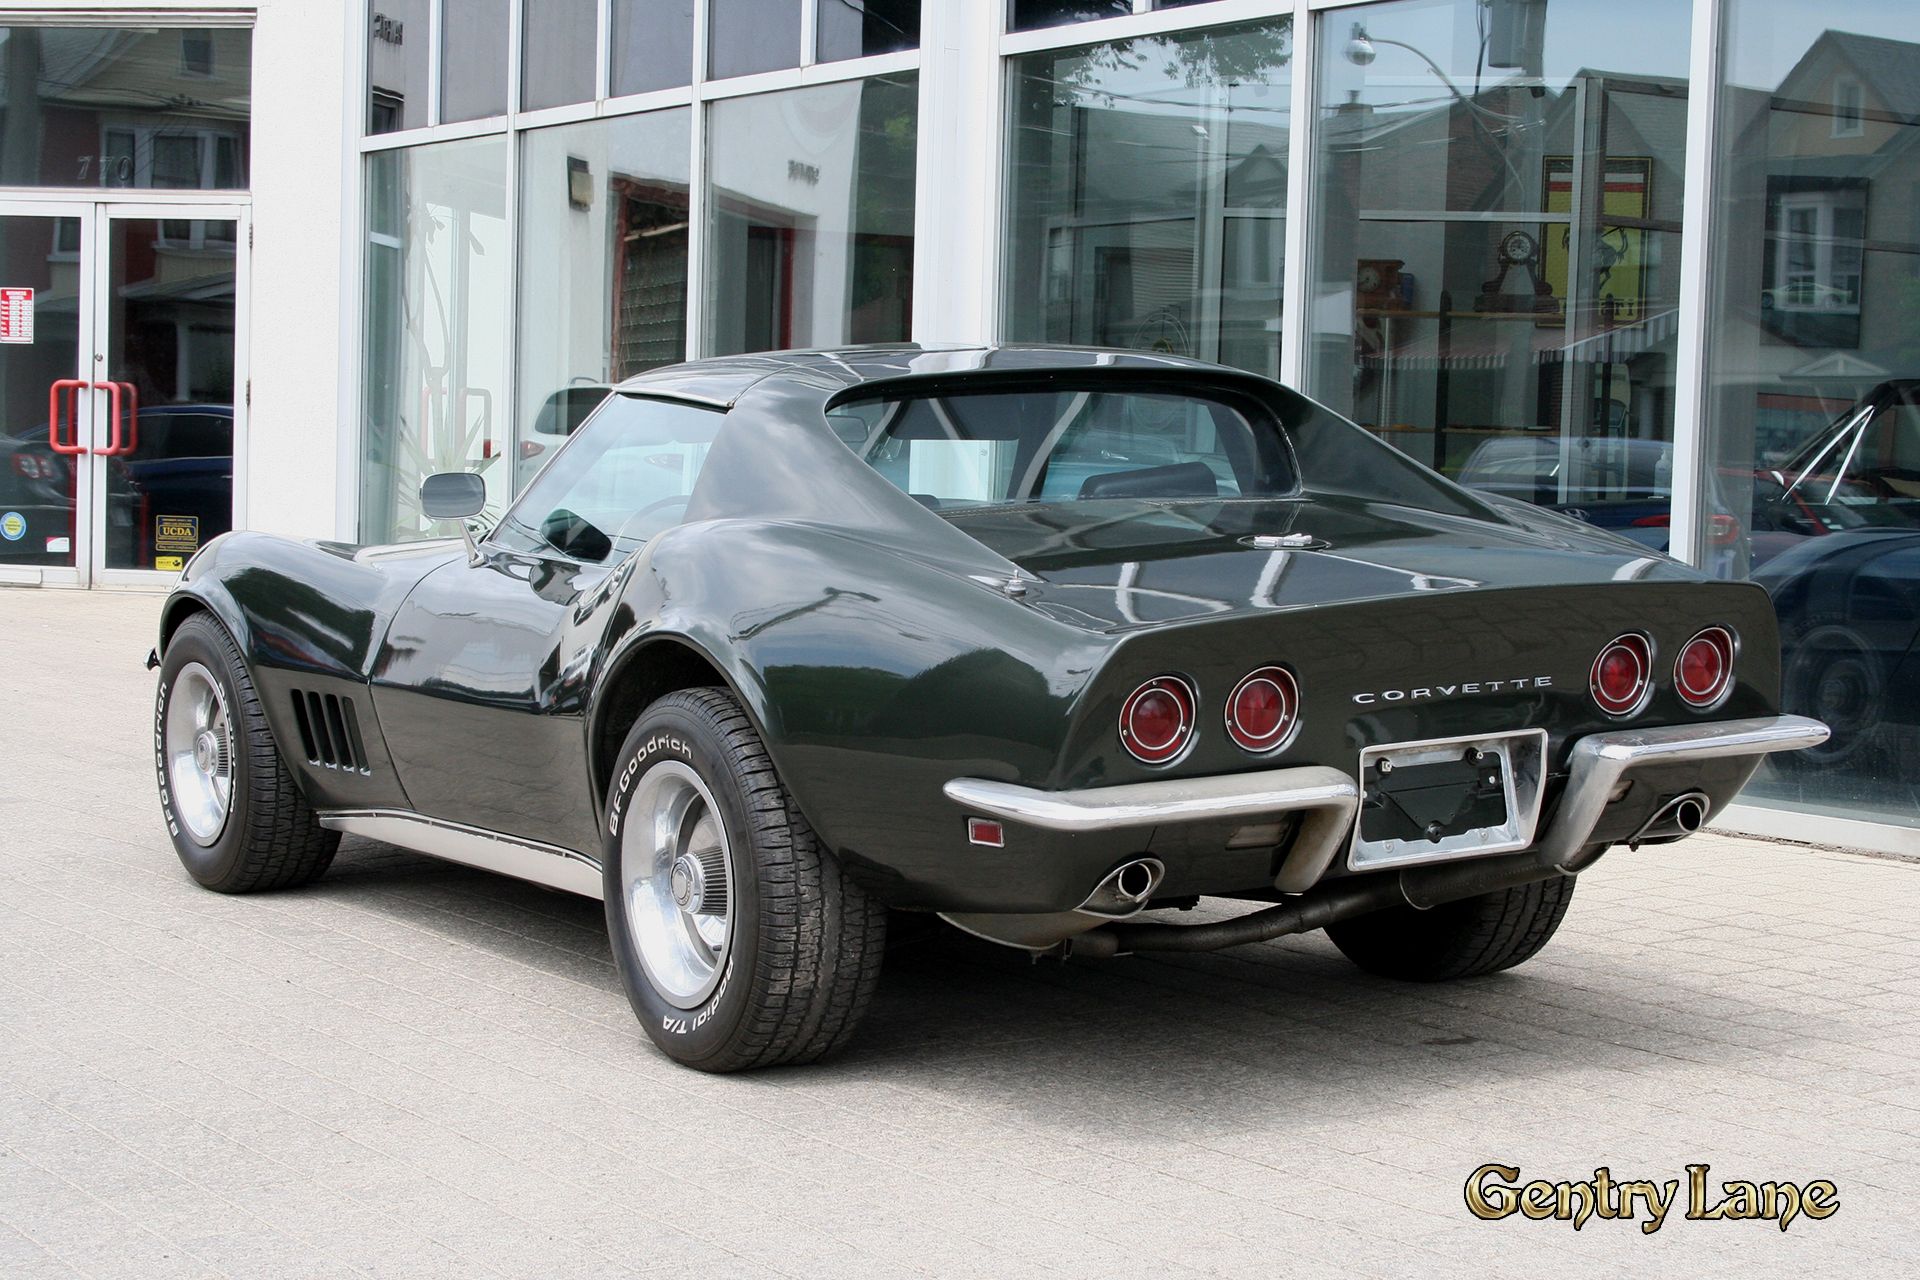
(1823, 273)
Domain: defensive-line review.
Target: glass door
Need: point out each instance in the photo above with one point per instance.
(167, 385)
(46, 410)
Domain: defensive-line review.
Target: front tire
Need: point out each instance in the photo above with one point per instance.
(741, 942)
(1463, 939)
(237, 818)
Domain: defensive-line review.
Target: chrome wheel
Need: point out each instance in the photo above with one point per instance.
(676, 876)
(199, 749)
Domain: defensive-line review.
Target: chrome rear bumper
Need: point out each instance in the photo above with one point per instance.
(1328, 798)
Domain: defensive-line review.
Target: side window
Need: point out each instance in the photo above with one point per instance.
(627, 476)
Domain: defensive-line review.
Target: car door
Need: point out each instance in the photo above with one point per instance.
(482, 684)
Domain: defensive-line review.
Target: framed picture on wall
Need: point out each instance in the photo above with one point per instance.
(1618, 274)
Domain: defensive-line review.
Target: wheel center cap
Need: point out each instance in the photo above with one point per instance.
(689, 883)
(205, 751)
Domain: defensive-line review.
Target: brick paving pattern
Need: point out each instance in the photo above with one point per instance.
(411, 1069)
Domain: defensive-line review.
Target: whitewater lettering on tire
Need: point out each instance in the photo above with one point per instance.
(160, 755)
(617, 806)
(678, 1025)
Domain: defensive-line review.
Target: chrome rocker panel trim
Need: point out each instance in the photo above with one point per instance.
(1599, 761)
(523, 859)
(1328, 799)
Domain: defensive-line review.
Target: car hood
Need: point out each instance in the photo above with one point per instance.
(1124, 563)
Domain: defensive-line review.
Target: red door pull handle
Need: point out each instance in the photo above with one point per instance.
(116, 448)
(133, 416)
(65, 390)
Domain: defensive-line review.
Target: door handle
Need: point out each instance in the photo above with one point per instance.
(71, 387)
(117, 447)
(114, 406)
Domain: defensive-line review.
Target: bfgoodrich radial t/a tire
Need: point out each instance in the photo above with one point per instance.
(238, 821)
(1462, 939)
(740, 940)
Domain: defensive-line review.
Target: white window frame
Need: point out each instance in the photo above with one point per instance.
(1849, 107)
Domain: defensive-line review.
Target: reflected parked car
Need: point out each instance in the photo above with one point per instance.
(1806, 295)
(1864, 469)
(560, 415)
(1849, 607)
(1624, 486)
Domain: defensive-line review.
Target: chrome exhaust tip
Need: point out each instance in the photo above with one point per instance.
(1679, 817)
(1126, 888)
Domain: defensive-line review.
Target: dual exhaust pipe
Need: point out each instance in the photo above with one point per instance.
(1681, 816)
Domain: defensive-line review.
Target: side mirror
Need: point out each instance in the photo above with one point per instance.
(453, 495)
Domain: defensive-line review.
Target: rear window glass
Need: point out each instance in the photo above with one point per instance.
(1055, 444)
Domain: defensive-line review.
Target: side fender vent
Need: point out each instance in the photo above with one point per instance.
(330, 731)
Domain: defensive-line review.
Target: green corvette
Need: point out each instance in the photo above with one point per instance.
(1044, 640)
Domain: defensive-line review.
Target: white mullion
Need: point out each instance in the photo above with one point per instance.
(350, 444)
(435, 18)
(120, 18)
(697, 231)
(510, 379)
(603, 52)
(957, 205)
(1152, 22)
(516, 48)
(454, 132)
(880, 64)
(1296, 274)
(1690, 393)
(809, 32)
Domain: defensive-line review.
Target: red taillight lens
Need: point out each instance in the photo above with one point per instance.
(1263, 709)
(1704, 670)
(1156, 724)
(1621, 679)
(33, 467)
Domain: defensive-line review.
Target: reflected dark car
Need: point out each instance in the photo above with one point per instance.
(1849, 607)
(1622, 485)
(1049, 642)
(1862, 471)
(181, 472)
(37, 485)
(178, 467)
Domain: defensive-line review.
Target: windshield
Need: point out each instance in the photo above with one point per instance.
(626, 476)
(1058, 444)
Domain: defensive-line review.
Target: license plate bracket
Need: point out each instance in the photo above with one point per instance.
(1448, 798)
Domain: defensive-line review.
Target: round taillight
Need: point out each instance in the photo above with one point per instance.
(1263, 709)
(1156, 724)
(1704, 670)
(1621, 679)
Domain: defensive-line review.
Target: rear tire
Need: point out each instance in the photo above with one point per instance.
(237, 818)
(1463, 939)
(741, 942)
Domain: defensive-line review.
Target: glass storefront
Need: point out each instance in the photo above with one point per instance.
(1814, 378)
(1496, 244)
(1482, 262)
(810, 199)
(438, 328)
(603, 267)
(1148, 193)
(511, 279)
